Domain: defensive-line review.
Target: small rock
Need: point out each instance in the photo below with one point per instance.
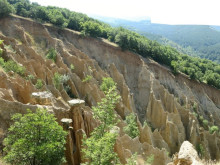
(76, 102)
(42, 98)
(66, 120)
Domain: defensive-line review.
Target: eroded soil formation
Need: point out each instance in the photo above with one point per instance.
(172, 107)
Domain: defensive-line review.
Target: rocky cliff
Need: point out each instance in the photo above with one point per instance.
(172, 107)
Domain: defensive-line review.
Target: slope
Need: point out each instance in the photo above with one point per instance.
(172, 106)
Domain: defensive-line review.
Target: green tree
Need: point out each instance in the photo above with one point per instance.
(35, 139)
(99, 147)
(132, 128)
(90, 28)
(5, 8)
(52, 54)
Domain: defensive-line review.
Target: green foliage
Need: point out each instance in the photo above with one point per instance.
(99, 147)
(1, 50)
(195, 114)
(5, 8)
(59, 79)
(205, 123)
(107, 83)
(131, 129)
(100, 151)
(87, 78)
(150, 159)
(12, 66)
(213, 129)
(132, 160)
(52, 54)
(35, 138)
(39, 84)
(30, 77)
(195, 106)
(200, 149)
(2, 62)
(90, 28)
(72, 67)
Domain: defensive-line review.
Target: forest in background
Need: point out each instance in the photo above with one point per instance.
(195, 40)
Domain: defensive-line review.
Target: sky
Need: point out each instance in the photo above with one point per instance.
(204, 12)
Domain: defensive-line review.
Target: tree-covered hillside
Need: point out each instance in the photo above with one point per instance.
(200, 69)
(202, 40)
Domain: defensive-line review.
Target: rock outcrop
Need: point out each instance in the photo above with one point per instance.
(163, 102)
(187, 155)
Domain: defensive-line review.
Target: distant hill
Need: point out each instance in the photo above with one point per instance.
(195, 40)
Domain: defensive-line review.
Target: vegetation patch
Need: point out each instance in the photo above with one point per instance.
(12, 66)
(52, 54)
(87, 78)
(39, 84)
(99, 147)
(35, 138)
(132, 128)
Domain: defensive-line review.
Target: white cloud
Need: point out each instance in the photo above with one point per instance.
(160, 11)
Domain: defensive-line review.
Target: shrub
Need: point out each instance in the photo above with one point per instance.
(72, 67)
(131, 129)
(87, 78)
(132, 160)
(35, 138)
(30, 77)
(13, 66)
(200, 149)
(205, 123)
(195, 114)
(2, 62)
(213, 129)
(39, 84)
(195, 106)
(107, 83)
(52, 54)
(98, 149)
(59, 79)
(150, 159)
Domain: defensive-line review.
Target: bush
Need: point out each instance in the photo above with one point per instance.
(30, 77)
(107, 83)
(59, 79)
(132, 160)
(52, 54)
(72, 67)
(39, 84)
(213, 129)
(98, 149)
(13, 66)
(87, 78)
(131, 129)
(205, 123)
(35, 138)
(200, 149)
(5, 8)
(150, 159)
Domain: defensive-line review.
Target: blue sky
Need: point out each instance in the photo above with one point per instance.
(160, 11)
